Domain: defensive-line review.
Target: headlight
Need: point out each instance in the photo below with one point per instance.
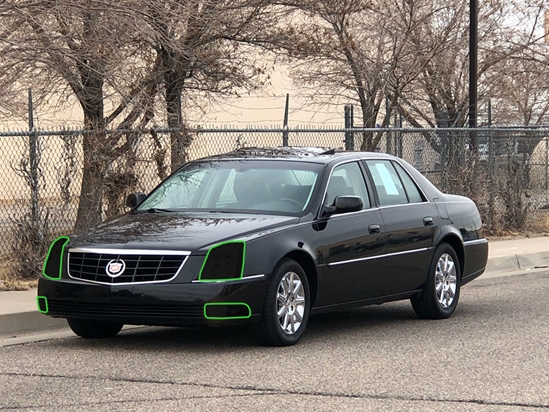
(224, 262)
(53, 266)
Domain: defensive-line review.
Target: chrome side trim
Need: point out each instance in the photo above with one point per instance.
(129, 251)
(404, 204)
(475, 242)
(480, 271)
(344, 262)
(121, 283)
(253, 277)
(423, 249)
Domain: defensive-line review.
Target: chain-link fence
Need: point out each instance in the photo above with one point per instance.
(42, 171)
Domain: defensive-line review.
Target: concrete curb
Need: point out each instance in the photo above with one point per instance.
(518, 262)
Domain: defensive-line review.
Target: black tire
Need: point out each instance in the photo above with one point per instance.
(91, 329)
(271, 330)
(430, 304)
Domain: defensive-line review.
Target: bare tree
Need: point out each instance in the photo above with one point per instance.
(204, 46)
(405, 55)
(115, 57)
(361, 51)
(69, 50)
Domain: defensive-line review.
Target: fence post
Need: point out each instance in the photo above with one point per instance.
(349, 135)
(33, 163)
(399, 136)
(285, 134)
(546, 161)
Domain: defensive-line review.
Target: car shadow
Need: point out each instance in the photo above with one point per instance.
(332, 326)
(339, 326)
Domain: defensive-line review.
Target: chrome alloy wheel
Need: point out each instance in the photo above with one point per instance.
(290, 303)
(445, 280)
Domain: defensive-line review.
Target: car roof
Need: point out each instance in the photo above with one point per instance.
(309, 154)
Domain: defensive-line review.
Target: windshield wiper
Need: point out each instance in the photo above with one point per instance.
(158, 210)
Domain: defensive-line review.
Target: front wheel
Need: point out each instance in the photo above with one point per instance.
(440, 295)
(286, 306)
(91, 329)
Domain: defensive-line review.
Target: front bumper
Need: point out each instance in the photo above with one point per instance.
(161, 304)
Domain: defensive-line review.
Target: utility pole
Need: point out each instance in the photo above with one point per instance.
(473, 71)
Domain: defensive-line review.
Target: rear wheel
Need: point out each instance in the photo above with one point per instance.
(286, 307)
(91, 329)
(440, 295)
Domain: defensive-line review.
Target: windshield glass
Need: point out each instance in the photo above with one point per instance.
(272, 186)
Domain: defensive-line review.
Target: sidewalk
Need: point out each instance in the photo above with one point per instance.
(517, 255)
(19, 315)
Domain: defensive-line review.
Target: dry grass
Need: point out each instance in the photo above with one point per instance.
(8, 281)
(538, 226)
(540, 221)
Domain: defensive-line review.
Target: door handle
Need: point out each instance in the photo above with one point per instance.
(428, 221)
(374, 229)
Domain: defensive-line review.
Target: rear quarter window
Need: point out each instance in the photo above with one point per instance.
(414, 195)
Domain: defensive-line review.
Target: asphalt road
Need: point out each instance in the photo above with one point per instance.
(492, 355)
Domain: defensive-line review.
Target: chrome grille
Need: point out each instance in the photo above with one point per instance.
(150, 267)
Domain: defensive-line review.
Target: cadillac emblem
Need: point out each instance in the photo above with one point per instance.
(115, 268)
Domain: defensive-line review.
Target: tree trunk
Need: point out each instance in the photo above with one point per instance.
(91, 193)
(369, 115)
(94, 148)
(180, 139)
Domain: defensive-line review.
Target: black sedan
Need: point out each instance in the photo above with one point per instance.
(268, 236)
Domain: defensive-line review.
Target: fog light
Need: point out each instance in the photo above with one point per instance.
(42, 303)
(227, 310)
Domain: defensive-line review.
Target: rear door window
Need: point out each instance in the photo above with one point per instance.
(389, 187)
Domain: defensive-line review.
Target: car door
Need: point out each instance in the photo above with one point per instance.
(352, 244)
(410, 225)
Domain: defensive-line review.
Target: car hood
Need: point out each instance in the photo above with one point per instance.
(176, 231)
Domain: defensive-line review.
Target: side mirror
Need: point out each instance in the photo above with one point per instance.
(344, 204)
(134, 199)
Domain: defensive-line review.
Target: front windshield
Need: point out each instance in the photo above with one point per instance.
(272, 186)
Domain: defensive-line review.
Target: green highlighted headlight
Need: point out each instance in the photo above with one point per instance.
(42, 303)
(226, 310)
(224, 262)
(53, 265)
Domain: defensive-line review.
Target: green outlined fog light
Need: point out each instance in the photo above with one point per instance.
(42, 303)
(224, 262)
(53, 265)
(227, 310)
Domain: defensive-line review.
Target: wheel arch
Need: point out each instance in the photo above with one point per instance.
(456, 243)
(308, 265)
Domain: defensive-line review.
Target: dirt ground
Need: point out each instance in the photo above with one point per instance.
(9, 282)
